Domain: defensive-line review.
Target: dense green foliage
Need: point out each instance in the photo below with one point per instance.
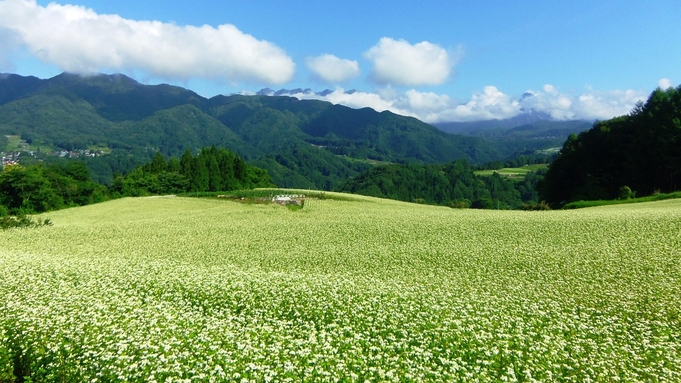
(454, 184)
(310, 167)
(179, 289)
(641, 151)
(39, 188)
(521, 160)
(211, 170)
(119, 161)
(42, 186)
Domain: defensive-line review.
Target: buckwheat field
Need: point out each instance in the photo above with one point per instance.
(177, 289)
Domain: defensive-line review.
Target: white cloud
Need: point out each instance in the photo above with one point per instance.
(357, 100)
(490, 104)
(589, 105)
(665, 83)
(550, 101)
(79, 40)
(400, 63)
(332, 69)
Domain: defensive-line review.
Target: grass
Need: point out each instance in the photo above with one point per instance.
(199, 289)
(512, 172)
(15, 144)
(655, 197)
(103, 148)
(365, 160)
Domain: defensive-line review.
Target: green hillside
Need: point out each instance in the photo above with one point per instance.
(59, 120)
(190, 289)
(175, 129)
(120, 98)
(73, 112)
(638, 154)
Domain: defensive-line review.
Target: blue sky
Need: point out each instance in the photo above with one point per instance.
(435, 60)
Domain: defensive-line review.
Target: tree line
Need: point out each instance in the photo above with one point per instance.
(637, 154)
(211, 170)
(454, 184)
(42, 187)
(39, 188)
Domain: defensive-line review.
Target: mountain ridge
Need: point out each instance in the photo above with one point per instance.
(115, 111)
(78, 112)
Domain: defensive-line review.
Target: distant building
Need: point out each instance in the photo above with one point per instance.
(288, 199)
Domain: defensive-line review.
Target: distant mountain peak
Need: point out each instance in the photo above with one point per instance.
(96, 79)
(293, 92)
(526, 95)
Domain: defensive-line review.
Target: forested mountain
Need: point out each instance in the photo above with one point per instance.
(113, 111)
(639, 153)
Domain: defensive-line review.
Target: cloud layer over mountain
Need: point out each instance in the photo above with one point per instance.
(489, 104)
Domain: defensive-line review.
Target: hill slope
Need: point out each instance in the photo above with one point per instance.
(173, 288)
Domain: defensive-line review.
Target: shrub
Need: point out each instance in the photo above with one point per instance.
(536, 206)
(460, 204)
(10, 221)
(626, 193)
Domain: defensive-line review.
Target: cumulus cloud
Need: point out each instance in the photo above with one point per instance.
(332, 69)
(590, 105)
(79, 40)
(356, 99)
(490, 103)
(400, 63)
(665, 83)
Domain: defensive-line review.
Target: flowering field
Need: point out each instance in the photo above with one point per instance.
(180, 289)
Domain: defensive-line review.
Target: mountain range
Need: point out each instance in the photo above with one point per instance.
(302, 143)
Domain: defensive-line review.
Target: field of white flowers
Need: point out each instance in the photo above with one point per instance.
(188, 290)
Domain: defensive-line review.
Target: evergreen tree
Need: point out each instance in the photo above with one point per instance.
(200, 177)
(157, 164)
(641, 151)
(186, 163)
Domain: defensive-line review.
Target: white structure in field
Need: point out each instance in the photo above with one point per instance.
(285, 199)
